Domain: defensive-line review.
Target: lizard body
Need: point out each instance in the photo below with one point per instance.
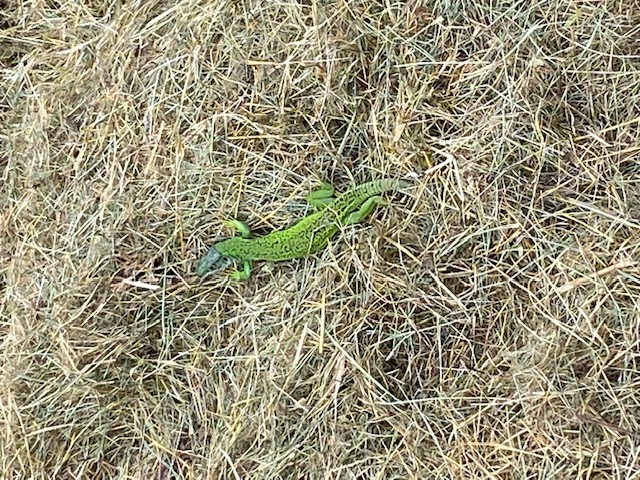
(306, 237)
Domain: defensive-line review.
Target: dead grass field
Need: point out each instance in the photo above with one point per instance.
(486, 325)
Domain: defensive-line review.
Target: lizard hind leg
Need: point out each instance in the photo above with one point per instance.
(366, 208)
(322, 197)
(245, 231)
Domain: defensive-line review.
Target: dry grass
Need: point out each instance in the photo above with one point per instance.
(485, 326)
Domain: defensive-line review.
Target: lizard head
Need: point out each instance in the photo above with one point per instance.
(212, 262)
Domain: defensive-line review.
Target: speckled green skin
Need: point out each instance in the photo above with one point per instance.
(309, 235)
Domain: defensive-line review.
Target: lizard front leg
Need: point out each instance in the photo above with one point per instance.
(244, 273)
(366, 208)
(322, 197)
(245, 231)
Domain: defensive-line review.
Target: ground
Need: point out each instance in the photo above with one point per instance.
(483, 325)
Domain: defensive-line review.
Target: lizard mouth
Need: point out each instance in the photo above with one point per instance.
(213, 262)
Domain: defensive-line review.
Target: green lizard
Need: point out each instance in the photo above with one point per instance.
(308, 236)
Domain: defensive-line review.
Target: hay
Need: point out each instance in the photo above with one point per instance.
(485, 326)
